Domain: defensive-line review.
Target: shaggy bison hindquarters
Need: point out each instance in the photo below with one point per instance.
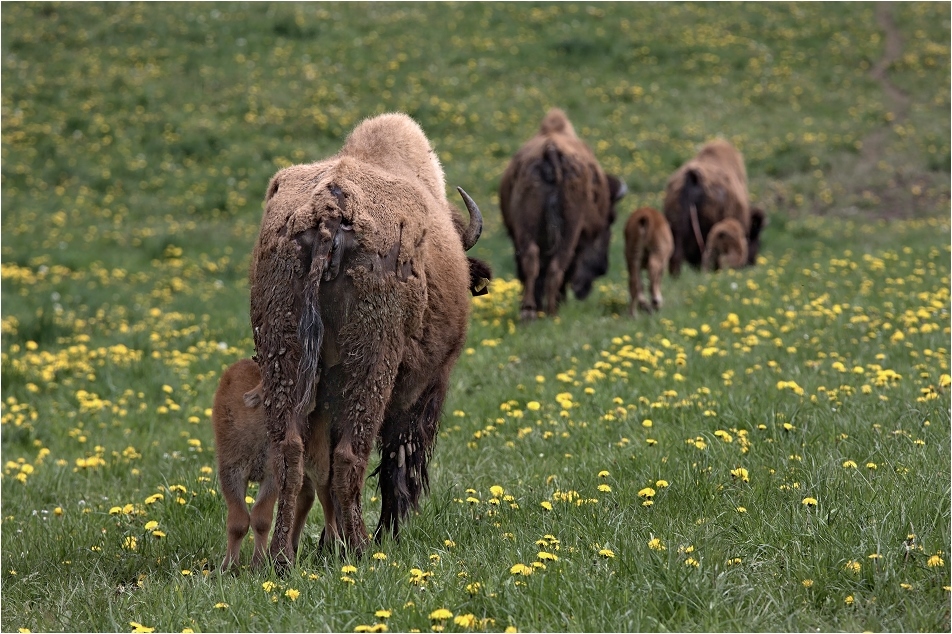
(360, 282)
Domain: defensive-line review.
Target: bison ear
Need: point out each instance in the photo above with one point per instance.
(272, 189)
(616, 187)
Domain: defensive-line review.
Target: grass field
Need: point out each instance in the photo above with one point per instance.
(770, 452)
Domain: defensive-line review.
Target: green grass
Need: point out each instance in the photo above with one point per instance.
(137, 141)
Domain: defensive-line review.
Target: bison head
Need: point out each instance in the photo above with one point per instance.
(591, 256)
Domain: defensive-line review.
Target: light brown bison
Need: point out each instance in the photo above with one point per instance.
(359, 302)
(558, 207)
(242, 450)
(725, 247)
(710, 187)
(648, 247)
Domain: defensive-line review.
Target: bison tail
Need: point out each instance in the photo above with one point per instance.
(692, 200)
(553, 175)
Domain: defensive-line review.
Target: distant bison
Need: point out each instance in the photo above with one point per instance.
(558, 207)
(725, 247)
(707, 189)
(359, 304)
(648, 247)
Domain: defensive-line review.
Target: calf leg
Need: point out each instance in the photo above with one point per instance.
(234, 486)
(261, 513)
(305, 501)
(655, 271)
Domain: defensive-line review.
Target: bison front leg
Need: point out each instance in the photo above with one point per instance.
(406, 443)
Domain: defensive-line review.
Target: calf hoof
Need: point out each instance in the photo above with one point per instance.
(657, 302)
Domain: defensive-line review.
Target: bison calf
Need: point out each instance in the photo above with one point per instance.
(243, 450)
(726, 246)
(648, 247)
(558, 207)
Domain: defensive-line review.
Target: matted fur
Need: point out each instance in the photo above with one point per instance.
(360, 295)
(242, 451)
(558, 206)
(726, 246)
(648, 248)
(715, 183)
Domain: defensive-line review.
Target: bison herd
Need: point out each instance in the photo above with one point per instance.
(360, 288)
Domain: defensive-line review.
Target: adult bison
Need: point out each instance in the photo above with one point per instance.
(359, 304)
(710, 187)
(558, 207)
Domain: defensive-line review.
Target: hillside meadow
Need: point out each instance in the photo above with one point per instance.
(769, 452)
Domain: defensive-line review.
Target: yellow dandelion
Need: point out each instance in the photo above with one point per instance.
(547, 556)
(221, 605)
(661, 484)
(292, 594)
(268, 586)
(546, 505)
(807, 583)
(607, 553)
(466, 620)
(646, 492)
(853, 566)
(380, 556)
(138, 627)
(848, 600)
(383, 614)
(810, 502)
(348, 569)
(440, 614)
(849, 464)
(935, 562)
(603, 474)
(655, 544)
(521, 569)
(604, 488)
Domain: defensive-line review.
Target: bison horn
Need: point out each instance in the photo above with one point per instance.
(475, 227)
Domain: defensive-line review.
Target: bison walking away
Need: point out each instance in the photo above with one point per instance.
(710, 187)
(648, 247)
(242, 450)
(359, 303)
(726, 246)
(558, 207)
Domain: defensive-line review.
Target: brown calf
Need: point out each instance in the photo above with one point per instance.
(242, 449)
(726, 246)
(648, 246)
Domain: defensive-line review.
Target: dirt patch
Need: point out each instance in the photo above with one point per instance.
(900, 186)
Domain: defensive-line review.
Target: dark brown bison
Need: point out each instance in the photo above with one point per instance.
(648, 247)
(710, 187)
(359, 304)
(558, 207)
(725, 247)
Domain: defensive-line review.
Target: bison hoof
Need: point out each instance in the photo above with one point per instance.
(528, 314)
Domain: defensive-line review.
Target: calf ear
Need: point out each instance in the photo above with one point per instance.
(616, 187)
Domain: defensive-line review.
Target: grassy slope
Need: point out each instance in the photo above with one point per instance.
(137, 142)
